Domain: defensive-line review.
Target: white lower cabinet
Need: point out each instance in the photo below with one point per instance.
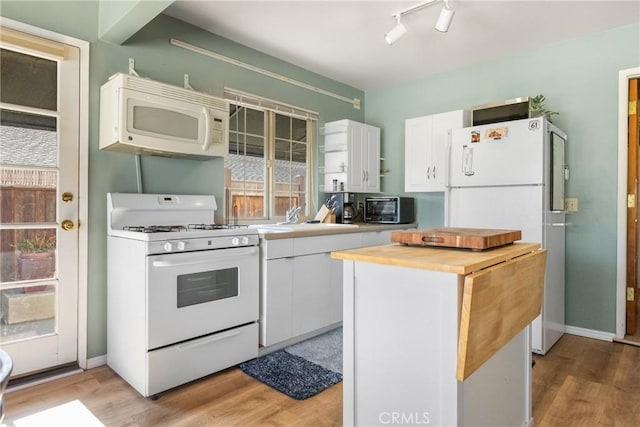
(276, 320)
(311, 293)
(301, 285)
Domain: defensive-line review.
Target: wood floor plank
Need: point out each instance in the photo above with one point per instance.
(575, 402)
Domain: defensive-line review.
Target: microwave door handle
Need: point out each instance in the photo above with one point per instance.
(207, 129)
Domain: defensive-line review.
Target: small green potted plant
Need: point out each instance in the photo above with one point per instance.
(537, 108)
(36, 259)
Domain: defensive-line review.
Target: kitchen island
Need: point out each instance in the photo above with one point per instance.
(437, 336)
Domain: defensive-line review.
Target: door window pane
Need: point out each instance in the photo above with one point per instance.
(28, 80)
(28, 139)
(27, 312)
(27, 254)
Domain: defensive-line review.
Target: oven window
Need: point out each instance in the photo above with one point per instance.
(198, 288)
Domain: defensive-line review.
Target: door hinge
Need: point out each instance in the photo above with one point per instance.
(633, 107)
(631, 294)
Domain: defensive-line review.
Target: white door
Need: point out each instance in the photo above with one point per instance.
(39, 157)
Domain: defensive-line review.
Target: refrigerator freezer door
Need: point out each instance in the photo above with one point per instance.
(508, 153)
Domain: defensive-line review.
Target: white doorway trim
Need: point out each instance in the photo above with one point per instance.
(621, 276)
(83, 173)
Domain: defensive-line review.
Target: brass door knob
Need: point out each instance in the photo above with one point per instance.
(67, 225)
(67, 197)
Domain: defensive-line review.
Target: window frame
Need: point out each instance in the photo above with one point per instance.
(271, 109)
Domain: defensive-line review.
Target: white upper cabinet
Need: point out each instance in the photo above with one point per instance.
(352, 157)
(425, 149)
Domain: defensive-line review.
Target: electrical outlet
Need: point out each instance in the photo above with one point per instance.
(360, 206)
(571, 205)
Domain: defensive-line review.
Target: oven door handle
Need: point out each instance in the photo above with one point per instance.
(219, 254)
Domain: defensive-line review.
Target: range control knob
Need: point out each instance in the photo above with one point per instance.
(235, 241)
(168, 246)
(181, 245)
(245, 240)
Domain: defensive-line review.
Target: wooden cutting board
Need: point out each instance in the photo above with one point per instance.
(456, 237)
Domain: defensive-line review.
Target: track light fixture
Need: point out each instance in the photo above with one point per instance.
(444, 20)
(396, 32)
(442, 25)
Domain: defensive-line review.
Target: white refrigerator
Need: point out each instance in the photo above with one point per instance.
(511, 175)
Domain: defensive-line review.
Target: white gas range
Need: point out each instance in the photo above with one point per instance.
(182, 291)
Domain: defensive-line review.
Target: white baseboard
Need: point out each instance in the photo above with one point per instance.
(94, 362)
(589, 333)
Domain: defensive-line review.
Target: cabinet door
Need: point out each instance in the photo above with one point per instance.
(276, 301)
(371, 155)
(357, 166)
(311, 292)
(442, 124)
(335, 291)
(417, 154)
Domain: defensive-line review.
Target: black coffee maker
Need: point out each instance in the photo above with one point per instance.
(342, 205)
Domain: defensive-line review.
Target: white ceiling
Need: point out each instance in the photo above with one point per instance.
(344, 40)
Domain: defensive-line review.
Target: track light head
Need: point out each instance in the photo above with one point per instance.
(444, 20)
(396, 32)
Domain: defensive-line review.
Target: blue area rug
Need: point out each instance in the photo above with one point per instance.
(302, 370)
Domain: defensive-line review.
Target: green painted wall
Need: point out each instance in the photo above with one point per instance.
(580, 80)
(157, 59)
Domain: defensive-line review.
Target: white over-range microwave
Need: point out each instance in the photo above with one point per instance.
(142, 116)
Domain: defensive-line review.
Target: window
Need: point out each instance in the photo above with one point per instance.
(269, 166)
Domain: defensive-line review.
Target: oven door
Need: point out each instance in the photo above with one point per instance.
(197, 293)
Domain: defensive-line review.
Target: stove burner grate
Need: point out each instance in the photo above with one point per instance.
(214, 226)
(155, 228)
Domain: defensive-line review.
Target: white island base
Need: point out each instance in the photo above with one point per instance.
(401, 353)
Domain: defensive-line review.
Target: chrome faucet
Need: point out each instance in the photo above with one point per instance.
(292, 215)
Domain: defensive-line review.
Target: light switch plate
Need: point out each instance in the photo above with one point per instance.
(571, 205)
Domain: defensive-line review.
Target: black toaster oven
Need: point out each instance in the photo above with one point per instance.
(389, 210)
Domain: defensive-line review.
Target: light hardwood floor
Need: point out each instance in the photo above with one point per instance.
(580, 382)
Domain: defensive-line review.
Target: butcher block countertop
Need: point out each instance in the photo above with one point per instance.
(458, 261)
